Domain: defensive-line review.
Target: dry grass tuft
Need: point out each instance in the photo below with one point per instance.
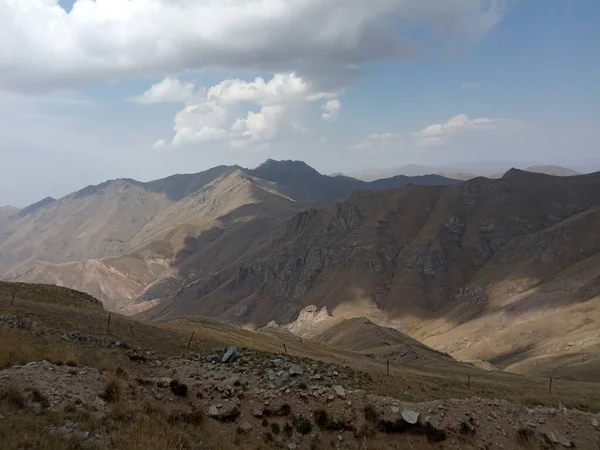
(11, 395)
(112, 390)
(178, 388)
(526, 438)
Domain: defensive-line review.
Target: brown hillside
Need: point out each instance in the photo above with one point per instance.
(453, 265)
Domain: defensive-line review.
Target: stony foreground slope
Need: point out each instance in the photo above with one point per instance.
(69, 379)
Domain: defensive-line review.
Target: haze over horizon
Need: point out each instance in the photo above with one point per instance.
(91, 91)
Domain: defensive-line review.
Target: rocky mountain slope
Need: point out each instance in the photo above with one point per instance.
(125, 240)
(476, 270)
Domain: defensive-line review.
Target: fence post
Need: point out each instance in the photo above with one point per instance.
(191, 337)
(131, 328)
(387, 361)
(550, 386)
(108, 324)
(469, 380)
(12, 300)
(285, 350)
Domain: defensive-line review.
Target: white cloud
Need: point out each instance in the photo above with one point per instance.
(300, 128)
(332, 109)
(161, 143)
(379, 140)
(169, 90)
(470, 85)
(215, 115)
(437, 133)
(114, 39)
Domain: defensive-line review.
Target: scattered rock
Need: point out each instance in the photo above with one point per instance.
(594, 423)
(212, 359)
(224, 413)
(295, 370)
(99, 405)
(246, 427)
(292, 446)
(36, 408)
(164, 382)
(230, 355)
(18, 322)
(409, 416)
(339, 391)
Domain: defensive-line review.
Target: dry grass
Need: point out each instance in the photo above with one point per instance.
(11, 396)
(112, 389)
(170, 339)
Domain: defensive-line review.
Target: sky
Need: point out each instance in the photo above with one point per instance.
(96, 90)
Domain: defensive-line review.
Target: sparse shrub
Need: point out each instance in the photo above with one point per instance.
(288, 430)
(268, 437)
(321, 419)
(275, 429)
(283, 410)
(370, 414)
(194, 417)
(434, 434)
(265, 423)
(302, 424)
(112, 390)
(325, 423)
(153, 409)
(366, 431)
(11, 396)
(179, 389)
(526, 437)
(398, 426)
(120, 372)
(70, 408)
(466, 429)
(401, 426)
(302, 385)
(38, 397)
(122, 413)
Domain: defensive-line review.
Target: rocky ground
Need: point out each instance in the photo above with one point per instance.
(277, 401)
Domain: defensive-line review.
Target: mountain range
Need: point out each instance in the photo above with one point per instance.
(503, 270)
(456, 172)
(122, 238)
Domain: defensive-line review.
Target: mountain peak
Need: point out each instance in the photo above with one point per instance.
(36, 206)
(288, 166)
(512, 173)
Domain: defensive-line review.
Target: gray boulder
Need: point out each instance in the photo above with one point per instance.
(339, 391)
(227, 412)
(230, 355)
(295, 369)
(409, 416)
